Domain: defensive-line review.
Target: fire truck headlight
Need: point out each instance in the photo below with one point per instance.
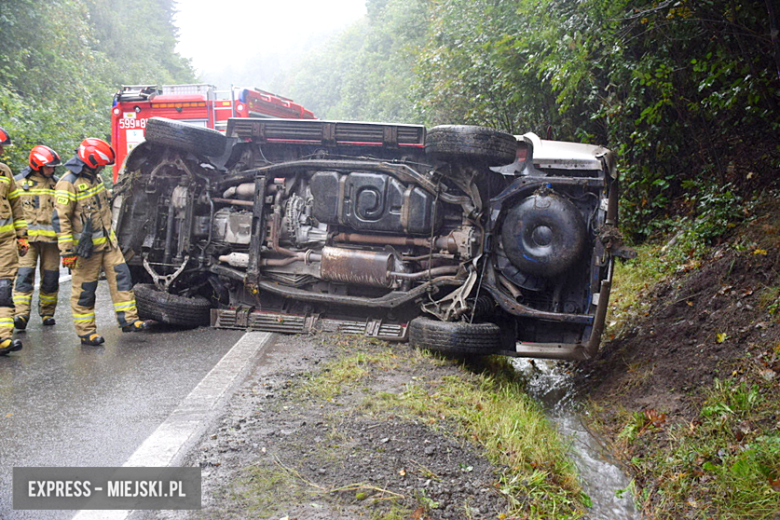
(116, 111)
(239, 107)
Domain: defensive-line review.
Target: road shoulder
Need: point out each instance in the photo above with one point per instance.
(332, 427)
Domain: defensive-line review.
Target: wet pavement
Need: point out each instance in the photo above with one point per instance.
(63, 404)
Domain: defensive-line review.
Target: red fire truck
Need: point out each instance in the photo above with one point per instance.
(195, 104)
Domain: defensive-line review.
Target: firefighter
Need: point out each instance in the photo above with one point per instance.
(36, 191)
(13, 242)
(82, 220)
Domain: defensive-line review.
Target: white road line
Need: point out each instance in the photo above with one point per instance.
(169, 444)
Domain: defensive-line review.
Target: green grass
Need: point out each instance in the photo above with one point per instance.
(726, 465)
(769, 299)
(656, 261)
(396, 512)
(267, 491)
(270, 489)
(633, 280)
(688, 244)
(486, 405)
(351, 370)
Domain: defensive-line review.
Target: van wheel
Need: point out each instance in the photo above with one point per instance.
(172, 309)
(184, 136)
(493, 147)
(456, 338)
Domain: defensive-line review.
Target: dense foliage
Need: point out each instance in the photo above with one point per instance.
(366, 72)
(686, 92)
(62, 60)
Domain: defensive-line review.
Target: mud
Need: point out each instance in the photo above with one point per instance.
(277, 454)
(715, 319)
(704, 323)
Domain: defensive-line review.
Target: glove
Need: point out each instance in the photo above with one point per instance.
(22, 245)
(69, 261)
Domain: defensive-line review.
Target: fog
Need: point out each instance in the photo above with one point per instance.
(245, 42)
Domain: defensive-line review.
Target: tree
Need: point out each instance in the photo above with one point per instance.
(366, 72)
(62, 61)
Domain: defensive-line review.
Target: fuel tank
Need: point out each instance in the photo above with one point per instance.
(367, 201)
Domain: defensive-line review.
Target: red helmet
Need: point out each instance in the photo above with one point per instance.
(41, 156)
(5, 139)
(96, 152)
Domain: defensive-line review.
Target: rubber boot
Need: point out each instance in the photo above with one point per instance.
(137, 326)
(10, 345)
(93, 340)
(48, 320)
(20, 322)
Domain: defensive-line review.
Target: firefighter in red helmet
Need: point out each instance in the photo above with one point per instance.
(36, 191)
(82, 220)
(13, 242)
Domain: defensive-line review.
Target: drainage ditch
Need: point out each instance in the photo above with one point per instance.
(602, 479)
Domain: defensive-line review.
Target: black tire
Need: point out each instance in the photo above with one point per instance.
(172, 309)
(477, 143)
(456, 338)
(186, 137)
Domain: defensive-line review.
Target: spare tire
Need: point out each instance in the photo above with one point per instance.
(477, 143)
(172, 309)
(456, 338)
(544, 235)
(184, 136)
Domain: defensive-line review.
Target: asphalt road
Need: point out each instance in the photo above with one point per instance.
(63, 404)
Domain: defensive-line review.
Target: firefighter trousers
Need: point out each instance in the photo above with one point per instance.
(49, 257)
(84, 285)
(9, 260)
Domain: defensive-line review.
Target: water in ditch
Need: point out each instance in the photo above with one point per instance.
(602, 479)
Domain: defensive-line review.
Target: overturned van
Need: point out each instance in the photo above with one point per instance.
(460, 239)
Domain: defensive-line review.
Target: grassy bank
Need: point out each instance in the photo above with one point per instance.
(482, 404)
(386, 432)
(688, 387)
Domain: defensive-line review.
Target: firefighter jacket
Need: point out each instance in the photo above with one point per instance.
(81, 195)
(37, 197)
(12, 223)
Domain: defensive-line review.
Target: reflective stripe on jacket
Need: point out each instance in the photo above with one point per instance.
(12, 223)
(36, 193)
(78, 197)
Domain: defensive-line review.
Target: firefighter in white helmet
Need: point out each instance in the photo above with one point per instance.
(13, 242)
(82, 220)
(36, 191)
